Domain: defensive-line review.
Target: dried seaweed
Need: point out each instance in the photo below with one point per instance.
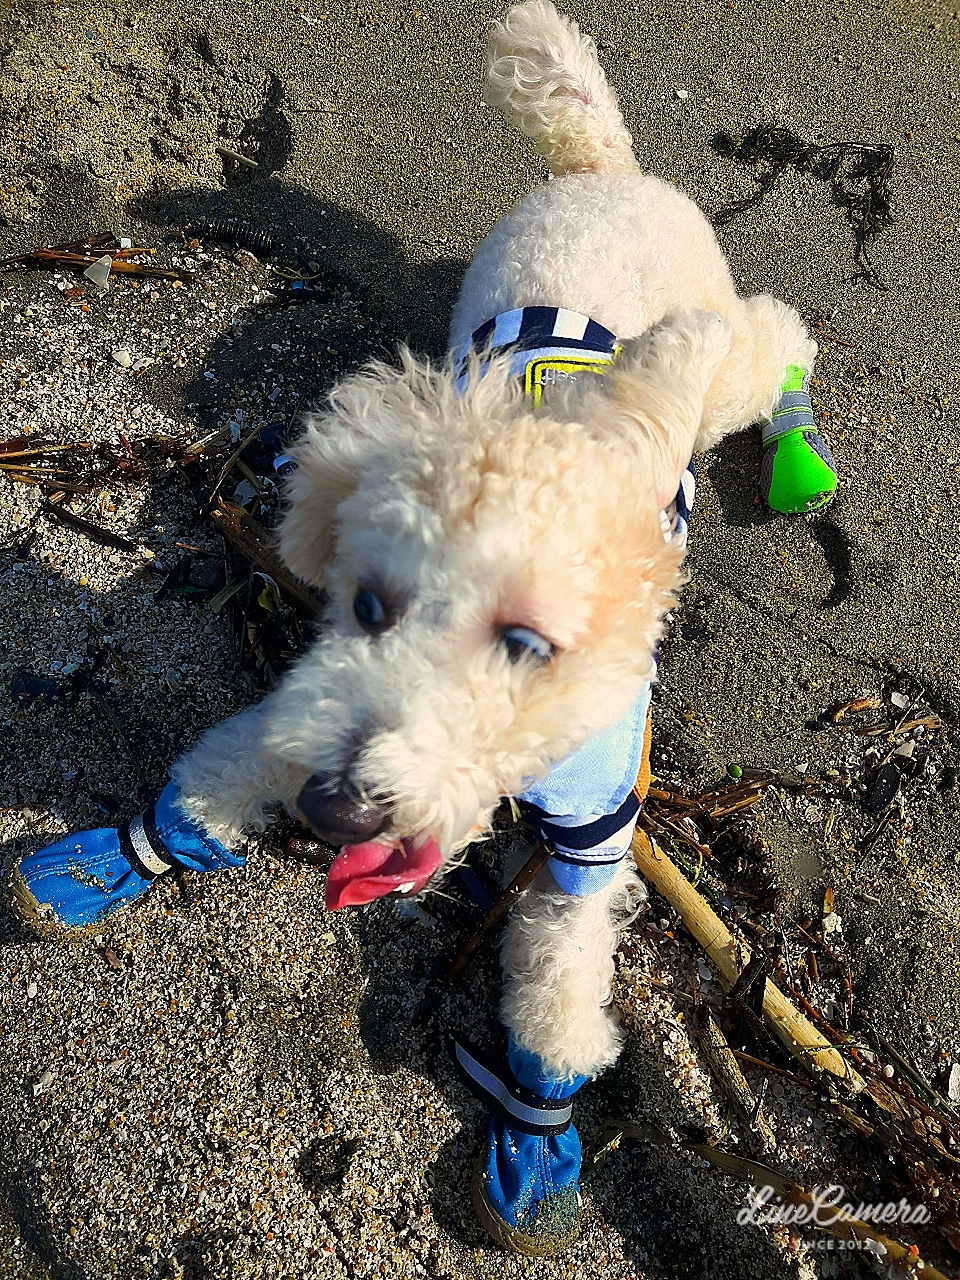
(61, 515)
(84, 253)
(858, 173)
(81, 468)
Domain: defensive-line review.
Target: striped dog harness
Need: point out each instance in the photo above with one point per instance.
(586, 806)
(547, 345)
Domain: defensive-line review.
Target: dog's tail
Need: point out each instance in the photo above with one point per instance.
(544, 76)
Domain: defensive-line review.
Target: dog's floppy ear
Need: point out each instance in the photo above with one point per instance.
(364, 418)
(328, 471)
(656, 389)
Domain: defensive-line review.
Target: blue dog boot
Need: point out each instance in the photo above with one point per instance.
(85, 877)
(525, 1185)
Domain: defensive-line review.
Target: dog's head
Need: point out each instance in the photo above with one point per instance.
(497, 580)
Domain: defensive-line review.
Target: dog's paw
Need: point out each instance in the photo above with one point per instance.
(682, 345)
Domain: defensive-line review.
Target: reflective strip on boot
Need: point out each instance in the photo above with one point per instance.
(491, 1080)
(793, 411)
(142, 847)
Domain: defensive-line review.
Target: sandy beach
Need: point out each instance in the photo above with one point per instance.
(226, 1082)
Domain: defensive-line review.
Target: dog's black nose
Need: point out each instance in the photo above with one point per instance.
(338, 815)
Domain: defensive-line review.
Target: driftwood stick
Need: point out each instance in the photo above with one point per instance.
(730, 957)
(725, 1067)
(820, 1212)
(255, 544)
(831, 1218)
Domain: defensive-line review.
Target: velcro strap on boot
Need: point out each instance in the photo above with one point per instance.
(142, 847)
(491, 1080)
(793, 411)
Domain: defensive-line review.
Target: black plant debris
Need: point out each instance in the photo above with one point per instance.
(858, 173)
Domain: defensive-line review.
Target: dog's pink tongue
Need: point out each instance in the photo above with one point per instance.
(362, 872)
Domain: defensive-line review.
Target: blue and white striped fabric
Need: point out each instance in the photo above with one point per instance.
(586, 804)
(540, 333)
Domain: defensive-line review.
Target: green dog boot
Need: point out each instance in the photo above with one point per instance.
(798, 472)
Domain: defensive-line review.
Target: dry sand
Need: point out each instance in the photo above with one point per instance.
(258, 1090)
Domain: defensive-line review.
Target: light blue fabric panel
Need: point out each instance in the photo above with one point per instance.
(598, 777)
(581, 881)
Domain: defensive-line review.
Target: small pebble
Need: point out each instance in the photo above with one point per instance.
(45, 1081)
(123, 358)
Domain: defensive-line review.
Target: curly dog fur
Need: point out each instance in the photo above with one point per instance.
(467, 513)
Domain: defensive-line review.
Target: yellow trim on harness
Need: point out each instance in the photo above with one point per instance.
(543, 370)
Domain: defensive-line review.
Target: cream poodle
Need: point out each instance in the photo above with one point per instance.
(500, 538)
(442, 520)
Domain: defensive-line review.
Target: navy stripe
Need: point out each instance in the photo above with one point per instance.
(537, 322)
(556, 856)
(598, 338)
(481, 335)
(683, 511)
(535, 341)
(593, 833)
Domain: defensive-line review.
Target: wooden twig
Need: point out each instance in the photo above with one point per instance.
(62, 516)
(730, 957)
(253, 542)
(724, 1065)
(819, 1214)
(520, 882)
(768, 1066)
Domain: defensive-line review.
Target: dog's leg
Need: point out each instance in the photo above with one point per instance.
(230, 780)
(768, 337)
(766, 377)
(558, 963)
(223, 786)
(557, 957)
(656, 391)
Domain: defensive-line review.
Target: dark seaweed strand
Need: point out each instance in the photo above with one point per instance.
(239, 234)
(858, 173)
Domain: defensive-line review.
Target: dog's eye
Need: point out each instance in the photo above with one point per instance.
(368, 610)
(521, 642)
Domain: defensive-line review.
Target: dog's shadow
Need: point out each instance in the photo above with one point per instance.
(734, 469)
(369, 298)
(366, 296)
